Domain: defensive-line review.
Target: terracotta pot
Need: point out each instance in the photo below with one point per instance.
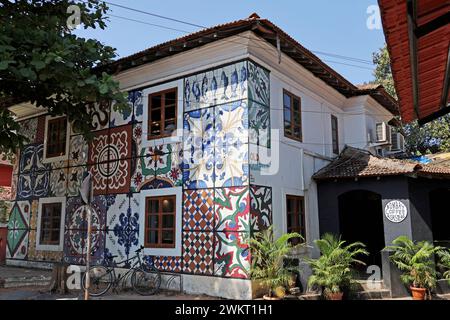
(418, 293)
(266, 297)
(334, 295)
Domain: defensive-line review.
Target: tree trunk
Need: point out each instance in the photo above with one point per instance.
(58, 283)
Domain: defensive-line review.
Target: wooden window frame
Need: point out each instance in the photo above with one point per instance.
(52, 229)
(298, 216)
(335, 140)
(163, 119)
(292, 126)
(160, 228)
(64, 124)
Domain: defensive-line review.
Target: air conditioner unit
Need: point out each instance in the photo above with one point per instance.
(383, 132)
(397, 141)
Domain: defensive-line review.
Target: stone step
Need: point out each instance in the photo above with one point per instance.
(372, 294)
(366, 285)
(24, 282)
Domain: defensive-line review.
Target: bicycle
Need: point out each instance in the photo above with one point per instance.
(145, 279)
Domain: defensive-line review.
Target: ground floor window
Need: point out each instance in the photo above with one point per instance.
(50, 223)
(295, 210)
(160, 213)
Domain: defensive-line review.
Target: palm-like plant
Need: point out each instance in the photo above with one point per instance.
(268, 256)
(416, 260)
(333, 269)
(444, 262)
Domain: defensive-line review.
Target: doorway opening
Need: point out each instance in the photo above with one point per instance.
(440, 218)
(361, 219)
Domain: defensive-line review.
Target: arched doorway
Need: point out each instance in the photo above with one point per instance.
(440, 218)
(361, 219)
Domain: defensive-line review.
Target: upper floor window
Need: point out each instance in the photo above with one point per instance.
(334, 134)
(56, 137)
(295, 210)
(50, 224)
(160, 215)
(292, 116)
(162, 113)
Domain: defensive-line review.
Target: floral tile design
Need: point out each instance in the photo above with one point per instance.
(259, 124)
(135, 99)
(260, 208)
(19, 216)
(29, 128)
(231, 123)
(34, 174)
(75, 246)
(198, 168)
(136, 142)
(198, 210)
(123, 227)
(76, 215)
(78, 151)
(17, 244)
(198, 252)
(231, 165)
(232, 209)
(74, 180)
(221, 85)
(119, 176)
(232, 254)
(99, 150)
(169, 168)
(120, 117)
(120, 143)
(58, 182)
(100, 175)
(258, 84)
(143, 173)
(198, 129)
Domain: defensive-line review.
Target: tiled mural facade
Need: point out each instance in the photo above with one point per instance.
(226, 114)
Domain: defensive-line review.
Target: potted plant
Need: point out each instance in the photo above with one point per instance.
(444, 263)
(267, 261)
(416, 260)
(333, 269)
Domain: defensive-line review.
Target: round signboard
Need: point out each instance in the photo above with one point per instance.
(395, 211)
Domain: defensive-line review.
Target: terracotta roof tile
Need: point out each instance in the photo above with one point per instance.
(354, 163)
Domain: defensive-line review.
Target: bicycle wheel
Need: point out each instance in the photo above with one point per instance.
(100, 280)
(146, 281)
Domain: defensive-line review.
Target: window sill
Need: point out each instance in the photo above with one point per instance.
(49, 247)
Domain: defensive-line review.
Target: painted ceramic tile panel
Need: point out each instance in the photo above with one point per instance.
(119, 176)
(20, 214)
(260, 207)
(143, 173)
(33, 214)
(198, 210)
(34, 174)
(222, 85)
(120, 117)
(231, 165)
(100, 114)
(40, 133)
(198, 129)
(75, 246)
(232, 254)
(40, 255)
(231, 123)
(198, 252)
(58, 182)
(99, 149)
(169, 168)
(136, 100)
(232, 209)
(120, 143)
(100, 175)
(258, 84)
(17, 243)
(74, 180)
(76, 218)
(260, 158)
(198, 168)
(259, 124)
(123, 227)
(14, 180)
(78, 151)
(136, 142)
(29, 128)
(163, 263)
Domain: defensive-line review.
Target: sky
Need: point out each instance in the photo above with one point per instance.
(337, 27)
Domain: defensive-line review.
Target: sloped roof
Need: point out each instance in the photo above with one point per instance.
(356, 163)
(269, 32)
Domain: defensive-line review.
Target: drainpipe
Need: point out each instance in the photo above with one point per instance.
(302, 158)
